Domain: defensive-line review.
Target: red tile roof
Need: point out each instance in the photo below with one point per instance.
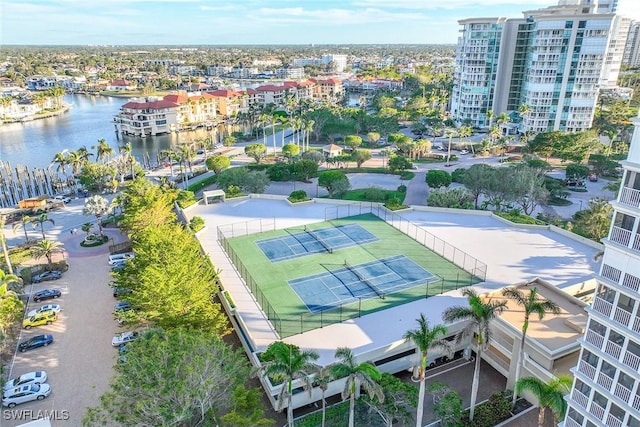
(271, 88)
(153, 105)
(178, 99)
(119, 82)
(226, 93)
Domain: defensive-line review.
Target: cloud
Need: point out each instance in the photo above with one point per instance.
(450, 4)
(335, 16)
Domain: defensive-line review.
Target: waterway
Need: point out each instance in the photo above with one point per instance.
(89, 119)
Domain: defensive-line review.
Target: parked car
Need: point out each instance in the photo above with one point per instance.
(47, 275)
(119, 266)
(124, 338)
(122, 306)
(36, 377)
(118, 258)
(26, 393)
(47, 307)
(63, 198)
(593, 177)
(464, 151)
(44, 318)
(35, 342)
(46, 294)
(118, 291)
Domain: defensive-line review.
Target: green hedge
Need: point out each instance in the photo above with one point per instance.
(519, 218)
(205, 182)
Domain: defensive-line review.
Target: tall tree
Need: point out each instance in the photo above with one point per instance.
(358, 375)
(287, 363)
(549, 395)
(97, 206)
(426, 338)
(26, 219)
(478, 316)
(3, 245)
(322, 379)
(47, 249)
(532, 304)
(39, 221)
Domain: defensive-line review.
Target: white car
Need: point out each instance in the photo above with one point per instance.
(52, 307)
(25, 393)
(37, 377)
(124, 338)
(61, 198)
(120, 258)
(464, 151)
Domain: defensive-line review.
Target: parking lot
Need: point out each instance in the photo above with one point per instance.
(80, 361)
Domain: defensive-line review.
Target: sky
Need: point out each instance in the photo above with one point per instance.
(224, 22)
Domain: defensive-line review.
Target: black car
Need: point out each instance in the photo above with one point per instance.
(35, 342)
(47, 275)
(46, 294)
(117, 291)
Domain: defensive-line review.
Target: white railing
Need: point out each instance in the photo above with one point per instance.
(613, 421)
(620, 236)
(631, 360)
(630, 196)
(636, 243)
(605, 380)
(597, 410)
(594, 338)
(613, 349)
(570, 422)
(636, 325)
(636, 403)
(611, 273)
(580, 398)
(622, 316)
(587, 369)
(622, 392)
(631, 282)
(602, 306)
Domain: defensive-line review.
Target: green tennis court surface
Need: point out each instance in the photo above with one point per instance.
(349, 283)
(306, 241)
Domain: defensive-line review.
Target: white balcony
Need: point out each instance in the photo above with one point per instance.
(579, 398)
(613, 350)
(636, 325)
(605, 380)
(636, 403)
(613, 421)
(636, 243)
(622, 392)
(587, 369)
(602, 306)
(622, 316)
(630, 196)
(594, 338)
(631, 360)
(570, 422)
(631, 282)
(620, 235)
(597, 410)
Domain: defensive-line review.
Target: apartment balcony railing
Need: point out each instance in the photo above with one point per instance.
(602, 306)
(587, 369)
(594, 338)
(636, 325)
(636, 403)
(630, 196)
(580, 398)
(620, 235)
(622, 316)
(622, 392)
(613, 421)
(631, 360)
(597, 410)
(636, 243)
(605, 380)
(631, 282)
(613, 349)
(570, 422)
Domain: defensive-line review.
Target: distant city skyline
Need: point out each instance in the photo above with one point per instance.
(225, 22)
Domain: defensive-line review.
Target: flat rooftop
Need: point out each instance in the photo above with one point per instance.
(513, 255)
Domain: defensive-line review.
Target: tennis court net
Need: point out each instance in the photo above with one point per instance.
(362, 279)
(326, 247)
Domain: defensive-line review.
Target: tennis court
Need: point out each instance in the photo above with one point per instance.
(346, 284)
(306, 241)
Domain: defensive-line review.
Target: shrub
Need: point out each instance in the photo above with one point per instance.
(458, 175)
(298, 196)
(438, 178)
(374, 194)
(518, 218)
(94, 240)
(280, 172)
(402, 188)
(492, 412)
(185, 198)
(196, 224)
(233, 191)
(407, 175)
(393, 204)
(205, 182)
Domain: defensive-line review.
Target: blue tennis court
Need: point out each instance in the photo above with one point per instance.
(369, 280)
(301, 242)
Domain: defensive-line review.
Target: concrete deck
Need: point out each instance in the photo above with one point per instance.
(513, 254)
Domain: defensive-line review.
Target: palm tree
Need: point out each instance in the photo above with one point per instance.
(502, 120)
(426, 338)
(61, 160)
(39, 221)
(531, 304)
(286, 363)
(362, 375)
(322, 379)
(86, 227)
(6, 280)
(46, 248)
(465, 132)
(549, 395)
(449, 133)
(103, 150)
(478, 316)
(3, 245)
(490, 116)
(26, 219)
(11, 308)
(98, 206)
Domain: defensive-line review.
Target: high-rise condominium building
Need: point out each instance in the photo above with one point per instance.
(632, 47)
(554, 61)
(606, 388)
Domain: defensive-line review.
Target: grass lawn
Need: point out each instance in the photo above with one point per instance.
(289, 314)
(365, 194)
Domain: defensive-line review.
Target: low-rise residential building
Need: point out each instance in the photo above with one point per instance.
(328, 89)
(229, 102)
(147, 117)
(119, 85)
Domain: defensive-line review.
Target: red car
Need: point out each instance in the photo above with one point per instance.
(593, 177)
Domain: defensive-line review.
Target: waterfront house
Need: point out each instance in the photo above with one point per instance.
(120, 85)
(147, 116)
